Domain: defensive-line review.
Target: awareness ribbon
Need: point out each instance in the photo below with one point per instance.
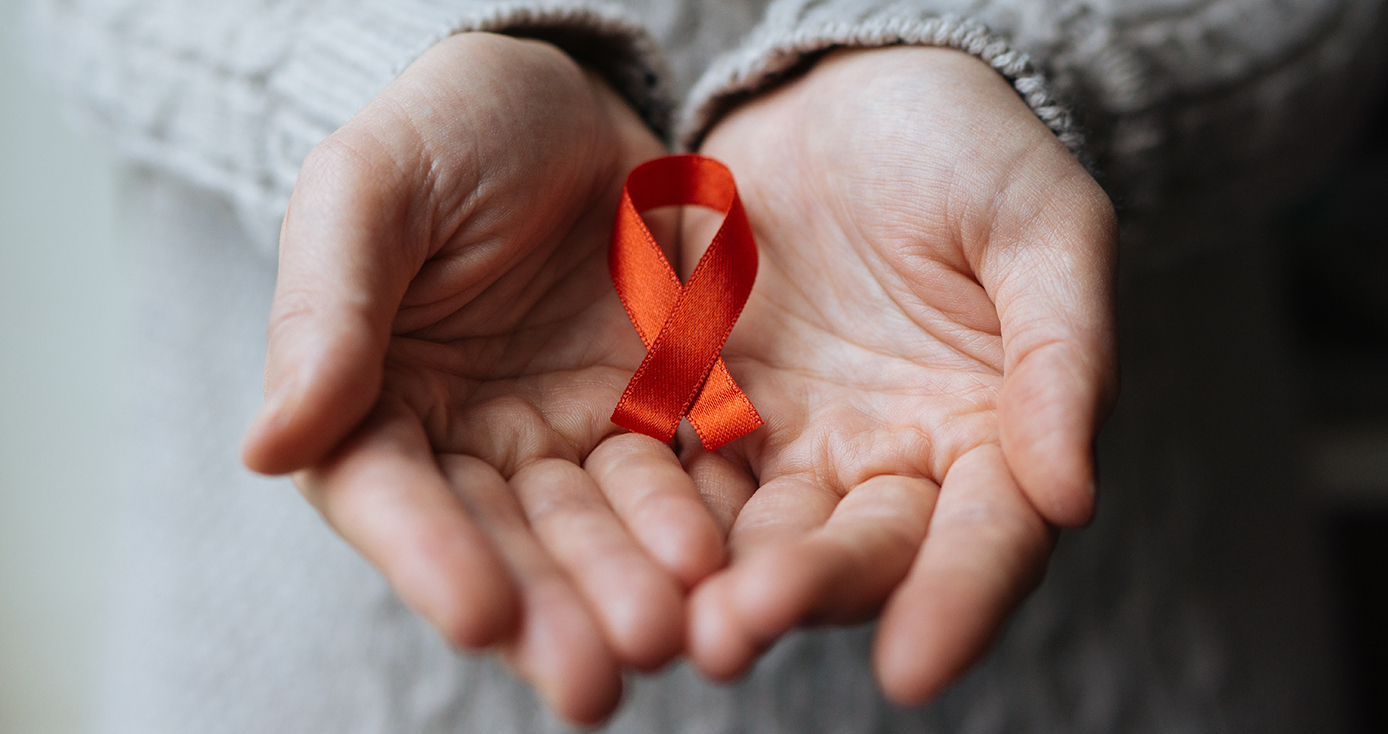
(683, 326)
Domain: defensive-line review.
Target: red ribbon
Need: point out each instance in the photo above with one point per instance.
(683, 326)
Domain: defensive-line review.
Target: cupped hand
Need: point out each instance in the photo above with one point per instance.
(445, 351)
(930, 341)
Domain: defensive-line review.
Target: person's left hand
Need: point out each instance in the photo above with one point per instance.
(930, 343)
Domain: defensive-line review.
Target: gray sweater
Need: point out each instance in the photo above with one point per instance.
(1189, 606)
(1181, 99)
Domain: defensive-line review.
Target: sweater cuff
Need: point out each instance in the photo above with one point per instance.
(786, 44)
(343, 62)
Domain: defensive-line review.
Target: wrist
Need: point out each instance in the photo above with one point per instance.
(882, 93)
(788, 43)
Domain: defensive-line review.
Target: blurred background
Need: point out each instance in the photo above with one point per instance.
(1336, 294)
(61, 316)
(63, 310)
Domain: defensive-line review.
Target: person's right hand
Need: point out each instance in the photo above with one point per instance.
(445, 350)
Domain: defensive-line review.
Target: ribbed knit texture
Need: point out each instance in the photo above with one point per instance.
(792, 35)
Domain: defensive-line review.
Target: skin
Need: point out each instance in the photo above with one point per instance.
(929, 340)
(445, 349)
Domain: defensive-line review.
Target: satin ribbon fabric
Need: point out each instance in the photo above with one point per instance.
(683, 326)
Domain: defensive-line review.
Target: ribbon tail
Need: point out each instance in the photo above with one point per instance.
(722, 412)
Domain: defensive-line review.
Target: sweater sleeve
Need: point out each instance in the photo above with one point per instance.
(233, 96)
(1224, 105)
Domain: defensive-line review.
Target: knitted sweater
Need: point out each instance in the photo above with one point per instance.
(1183, 99)
(1190, 605)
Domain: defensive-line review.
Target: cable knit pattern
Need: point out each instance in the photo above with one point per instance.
(233, 96)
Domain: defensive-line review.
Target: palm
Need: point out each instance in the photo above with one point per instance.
(444, 306)
(875, 344)
(528, 365)
(862, 368)
(512, 391)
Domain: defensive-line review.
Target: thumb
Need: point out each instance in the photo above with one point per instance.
(345, 262)
(1054, 294)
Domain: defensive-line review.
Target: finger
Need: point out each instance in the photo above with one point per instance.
(659, 504)
(345, 261)
(838, 574)
(384, 494)
(724, 485)
(986, 549)
(783, 510)
(639, 605)
(557, 645)
(1055, 303)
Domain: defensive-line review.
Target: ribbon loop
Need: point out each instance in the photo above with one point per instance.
(683, 326)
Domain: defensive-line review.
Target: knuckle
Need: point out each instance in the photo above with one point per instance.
(341, 151)
(293, 306)
(999, 527)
